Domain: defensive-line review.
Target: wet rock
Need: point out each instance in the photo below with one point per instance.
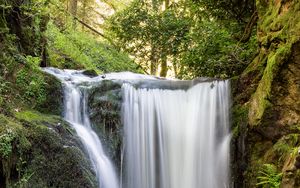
(105, 101)
(90, 73)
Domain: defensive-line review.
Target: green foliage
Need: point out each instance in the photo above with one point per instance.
(24, 180)
(4, 89)
(80, 50)
(21, 45)
(35, 116)
(269, 177)
(151, 36)
(193, 40)
(227, 10)
(6, 141)
(30, 81)
(216, 53)
(286, 146)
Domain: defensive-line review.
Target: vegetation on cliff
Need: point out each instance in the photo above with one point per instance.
(269, 90)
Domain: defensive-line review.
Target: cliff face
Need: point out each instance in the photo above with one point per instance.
(266, 102)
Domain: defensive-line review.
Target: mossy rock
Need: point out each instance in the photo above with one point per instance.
(53, 103)
(90, 73)
(105, 101)
(44, 152)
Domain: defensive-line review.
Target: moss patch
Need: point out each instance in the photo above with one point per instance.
(260, 99)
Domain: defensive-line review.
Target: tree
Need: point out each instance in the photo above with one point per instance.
(191, 37)
(153, 32)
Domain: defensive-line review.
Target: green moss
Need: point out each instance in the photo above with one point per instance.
(53, 92)
(35, 116)
(260, 99)
(261, 7)
(268, 17)
(257, 64)
(13, 143)
(279, 29)
(281, 23)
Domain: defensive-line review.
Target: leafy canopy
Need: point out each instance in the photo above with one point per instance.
(188, 38)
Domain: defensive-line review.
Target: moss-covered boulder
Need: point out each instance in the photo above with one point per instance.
(90, 73)
(53, 91)
(40, 150)
(105, 101)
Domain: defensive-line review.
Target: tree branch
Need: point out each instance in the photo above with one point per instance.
(248, 29)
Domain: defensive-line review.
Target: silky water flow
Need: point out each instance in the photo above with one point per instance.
(173, 137)
(177, 138)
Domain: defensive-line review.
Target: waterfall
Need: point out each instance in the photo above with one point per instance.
(75, 112)
(177, 138)
(175, 135)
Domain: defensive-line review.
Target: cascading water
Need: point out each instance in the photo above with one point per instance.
(75, 112)
(173, 137)
(177, 138)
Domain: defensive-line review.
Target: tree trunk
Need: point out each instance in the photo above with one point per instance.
(164, 67)
(84, 6)
(43, 28)
(153, 61)
(175, 68)
(73, 10)
(167, 3)
(164, 64)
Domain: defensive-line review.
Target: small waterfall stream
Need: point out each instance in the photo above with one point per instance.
(174, 136)
(75, 112)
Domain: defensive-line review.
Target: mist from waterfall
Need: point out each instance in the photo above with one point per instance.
(177, 138)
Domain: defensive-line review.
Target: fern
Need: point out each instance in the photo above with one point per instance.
(269, 177)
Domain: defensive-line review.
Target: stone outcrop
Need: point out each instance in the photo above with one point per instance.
(266, 112)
